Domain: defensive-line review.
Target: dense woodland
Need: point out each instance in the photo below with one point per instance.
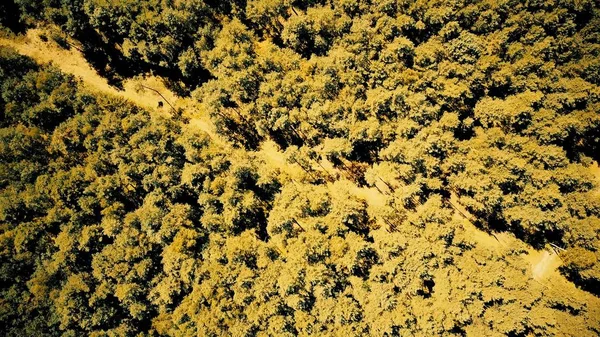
(120, 221)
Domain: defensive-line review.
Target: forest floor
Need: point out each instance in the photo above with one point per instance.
(544, 264)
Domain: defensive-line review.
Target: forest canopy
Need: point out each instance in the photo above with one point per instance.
(369, 162)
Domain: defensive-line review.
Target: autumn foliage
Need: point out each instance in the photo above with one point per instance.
(120, 221)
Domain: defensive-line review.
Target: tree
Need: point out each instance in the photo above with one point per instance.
(385, 170)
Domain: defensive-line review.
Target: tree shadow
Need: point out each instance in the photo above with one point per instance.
(9, 17)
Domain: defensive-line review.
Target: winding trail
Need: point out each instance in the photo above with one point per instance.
(544, 265)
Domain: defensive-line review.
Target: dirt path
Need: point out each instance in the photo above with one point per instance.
(72, 62)
(544, 263)
(544, 266)
(595, 170)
